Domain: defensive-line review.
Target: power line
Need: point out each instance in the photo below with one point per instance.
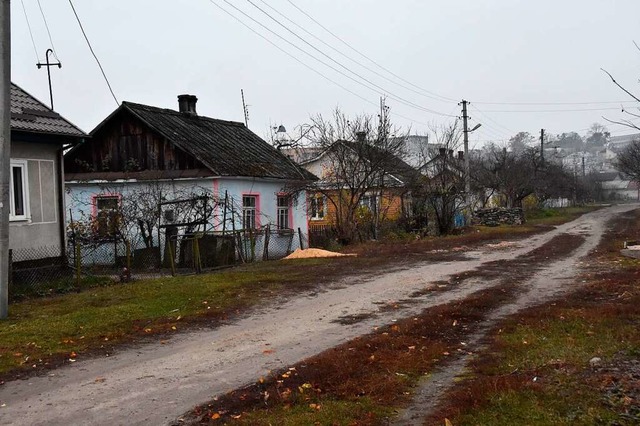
(33, 42)
(383, 91)
(350, 58)
(491, 120)
(46, 25)
(306, 65)
(554, 110)
(93, 53)
(368, 58)
(554, 103)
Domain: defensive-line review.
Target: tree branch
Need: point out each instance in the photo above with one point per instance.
(625, 123)
(617, 84)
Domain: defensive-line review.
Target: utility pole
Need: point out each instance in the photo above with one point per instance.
(542, 145)
(467, 174)
(245, 111)
(49, 65)
(5, 151)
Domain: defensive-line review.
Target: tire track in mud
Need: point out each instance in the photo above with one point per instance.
(547, 279)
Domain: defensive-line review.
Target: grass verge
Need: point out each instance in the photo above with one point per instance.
(571, 362)
(44, 333)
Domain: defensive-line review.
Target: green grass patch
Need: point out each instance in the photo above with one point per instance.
(564, 339)
(556, 216)
(323, 412)
(39, 330)
(571, 405)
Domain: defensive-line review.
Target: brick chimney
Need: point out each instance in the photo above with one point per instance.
(187, 104)
(443, 152)
(361, 136)
(460, 155)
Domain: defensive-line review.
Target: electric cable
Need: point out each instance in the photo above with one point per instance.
(33, 42)
(306, 65)
(46, 25)
(93, 53)
(350, 58)
(368, 58)
(383, 91)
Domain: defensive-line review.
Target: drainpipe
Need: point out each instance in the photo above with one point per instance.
(61, 206)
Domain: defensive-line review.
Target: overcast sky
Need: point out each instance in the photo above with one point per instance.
(544, 55)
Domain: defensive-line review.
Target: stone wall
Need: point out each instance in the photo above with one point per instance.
(498, 216)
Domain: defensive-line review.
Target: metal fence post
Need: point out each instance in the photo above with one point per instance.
(300, 239)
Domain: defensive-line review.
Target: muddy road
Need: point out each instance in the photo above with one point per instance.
(155, 383)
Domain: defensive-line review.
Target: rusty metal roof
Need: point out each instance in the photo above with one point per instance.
(227, 148)
(30, 115)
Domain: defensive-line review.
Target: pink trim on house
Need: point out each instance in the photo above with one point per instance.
(94, 203)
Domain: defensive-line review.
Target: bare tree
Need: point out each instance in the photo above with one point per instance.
(630, 115)
(521, 142)
(628, 161)
(360, 157)
(598, 135)
(440, 191)
(512, 175)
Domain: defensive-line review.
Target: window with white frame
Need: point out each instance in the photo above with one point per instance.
(19, 196)
(107, 215)
(370, 201)
(249, 211)
(317, 207)
(284, 209)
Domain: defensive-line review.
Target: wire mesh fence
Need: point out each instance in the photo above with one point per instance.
(88, 263)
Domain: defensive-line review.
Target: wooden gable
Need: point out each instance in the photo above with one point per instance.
(126, 144)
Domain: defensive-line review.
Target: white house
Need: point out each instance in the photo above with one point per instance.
(163, 162)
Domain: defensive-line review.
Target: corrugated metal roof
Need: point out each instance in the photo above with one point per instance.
(30, 115)
(227, 148)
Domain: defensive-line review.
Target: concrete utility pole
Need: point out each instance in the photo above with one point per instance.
(467, 174)
(542, 145)
(5, 151)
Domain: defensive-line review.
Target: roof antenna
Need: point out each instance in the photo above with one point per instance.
(49, 65)
(245, 110)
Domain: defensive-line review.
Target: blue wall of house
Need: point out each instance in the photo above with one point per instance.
(80, 200)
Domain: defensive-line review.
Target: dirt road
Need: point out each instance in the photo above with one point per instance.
(155, 383)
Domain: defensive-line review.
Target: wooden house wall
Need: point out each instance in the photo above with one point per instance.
(126, 144)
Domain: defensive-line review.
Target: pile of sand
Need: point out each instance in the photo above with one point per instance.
(502, 245)
(313, 252)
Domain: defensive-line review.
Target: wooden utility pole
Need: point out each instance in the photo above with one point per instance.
(542, 145)
(5, 151)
